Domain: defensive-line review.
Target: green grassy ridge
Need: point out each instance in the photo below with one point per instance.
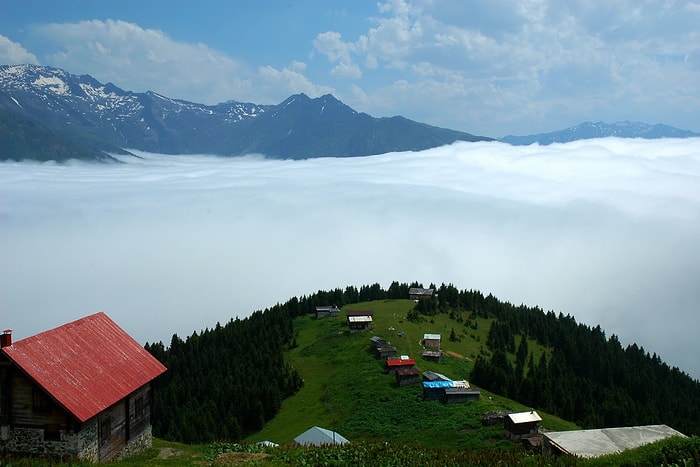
(347, 390)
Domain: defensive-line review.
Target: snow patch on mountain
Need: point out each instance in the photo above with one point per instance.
(54, 84)
(105, 100)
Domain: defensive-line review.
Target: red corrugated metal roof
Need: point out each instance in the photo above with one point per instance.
(400, 362)
(87, 365)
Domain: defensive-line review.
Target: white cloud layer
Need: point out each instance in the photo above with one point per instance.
(12, 52)
(603, 229)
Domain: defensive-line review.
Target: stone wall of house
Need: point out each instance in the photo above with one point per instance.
(137, 444)
(82, 445)
(88, 446)
(31, 441)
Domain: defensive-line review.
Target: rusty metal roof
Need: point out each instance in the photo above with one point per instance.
(86, 365)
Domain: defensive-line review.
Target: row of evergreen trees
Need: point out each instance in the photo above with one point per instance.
(226, 382)
(586, 378)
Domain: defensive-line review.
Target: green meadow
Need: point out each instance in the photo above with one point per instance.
(347, 390)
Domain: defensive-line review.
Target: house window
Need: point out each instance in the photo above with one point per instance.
(105, 428)
(40, 401)
(138, 409)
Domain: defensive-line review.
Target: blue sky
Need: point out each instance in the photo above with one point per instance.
(491, 68)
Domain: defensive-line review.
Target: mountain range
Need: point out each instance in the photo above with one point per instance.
(47, 113)
(589, 130)
(50, 114)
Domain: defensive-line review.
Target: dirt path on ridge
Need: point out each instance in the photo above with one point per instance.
(455, 354)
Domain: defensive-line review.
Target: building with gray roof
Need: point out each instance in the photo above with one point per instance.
(594, 443)
(318, 436)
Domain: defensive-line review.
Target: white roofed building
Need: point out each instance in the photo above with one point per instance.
(522, 424)
(432, 341)
(359, 320)
(594, 443)
(317, 436)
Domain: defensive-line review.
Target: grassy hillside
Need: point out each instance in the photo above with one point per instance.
(347, 390)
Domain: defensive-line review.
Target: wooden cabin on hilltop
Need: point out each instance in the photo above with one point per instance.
(405, 376)
(432, 341)
(81, 390)
(327, 311)
(419, 293)
(396, 363)
(359, 320)
(522, 424)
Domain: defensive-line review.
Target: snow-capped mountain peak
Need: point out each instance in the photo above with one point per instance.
(83, 111)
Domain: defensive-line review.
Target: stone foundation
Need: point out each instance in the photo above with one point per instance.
(82, 445)
(31, 441)
(137, 444)
(88, 448)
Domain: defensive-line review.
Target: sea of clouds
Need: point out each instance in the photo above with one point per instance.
(606, 230)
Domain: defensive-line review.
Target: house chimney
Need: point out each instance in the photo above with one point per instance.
(6, 338)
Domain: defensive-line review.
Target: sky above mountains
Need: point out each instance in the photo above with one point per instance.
(488, 68)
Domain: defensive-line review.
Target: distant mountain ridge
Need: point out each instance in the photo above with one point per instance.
(50, 114)
(45, 112)
(589, 130)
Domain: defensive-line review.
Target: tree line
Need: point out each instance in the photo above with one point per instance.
(584, 377)
(225, 382)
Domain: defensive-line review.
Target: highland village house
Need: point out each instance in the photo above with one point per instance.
(80, 390)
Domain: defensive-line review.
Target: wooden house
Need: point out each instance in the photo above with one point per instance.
(359, 320)
(431, 341)
(326, 311)
(81, 390)
(405, 376)
(378, 342)
(435, 389)
(419, 293)
(449, 391)
(396, 363)
(461, 394)
(522, 424)
(432, 355)
(384, 352)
